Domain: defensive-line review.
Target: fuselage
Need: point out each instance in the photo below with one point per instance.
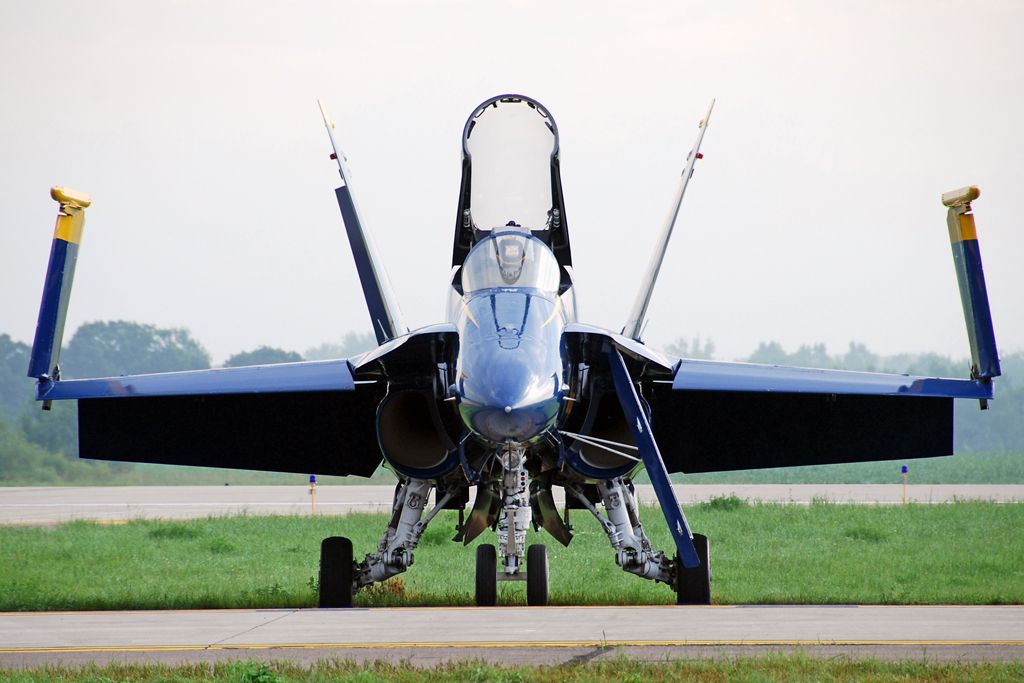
(511, 366)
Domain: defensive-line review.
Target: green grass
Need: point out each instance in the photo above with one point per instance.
(962, 553)
(795, 668)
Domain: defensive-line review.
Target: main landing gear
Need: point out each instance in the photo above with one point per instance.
(633, 549)
(341, 577)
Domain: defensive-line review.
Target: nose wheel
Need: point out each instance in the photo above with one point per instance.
(537, 575)
(486, 575)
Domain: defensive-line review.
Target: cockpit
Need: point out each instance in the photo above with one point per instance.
(510, 258)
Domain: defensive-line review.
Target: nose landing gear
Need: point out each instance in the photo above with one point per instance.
(513, 522)
(488, 576)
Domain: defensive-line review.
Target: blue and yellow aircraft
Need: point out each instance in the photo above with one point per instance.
(513, 395)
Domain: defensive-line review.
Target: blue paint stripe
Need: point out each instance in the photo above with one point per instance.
(60, 275)
(978, 316)
(702, 375)
(331, 375)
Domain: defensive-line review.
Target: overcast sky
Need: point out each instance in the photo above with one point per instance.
(814, 216)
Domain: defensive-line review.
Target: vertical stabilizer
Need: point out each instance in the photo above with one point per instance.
(60, 275)
(635, 323)
(380, 298)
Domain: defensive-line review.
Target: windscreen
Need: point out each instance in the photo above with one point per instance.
(510, 142)
(510, 259)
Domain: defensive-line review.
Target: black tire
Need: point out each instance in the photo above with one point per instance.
(537, 575)
(486, 575)
(693, 586)
(336, 572)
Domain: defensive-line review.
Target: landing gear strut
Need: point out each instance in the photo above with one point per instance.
(633, 549)
(341, 577)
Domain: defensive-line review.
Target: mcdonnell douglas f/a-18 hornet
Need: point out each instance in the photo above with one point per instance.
(512, 395)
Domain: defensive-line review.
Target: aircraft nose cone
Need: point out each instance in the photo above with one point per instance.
(507, 394)
(500, 426)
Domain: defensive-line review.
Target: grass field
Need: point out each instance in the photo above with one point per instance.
(963, 553)
(794, 668)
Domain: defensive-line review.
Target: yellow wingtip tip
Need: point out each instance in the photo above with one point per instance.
(964, 195)
(68, 197)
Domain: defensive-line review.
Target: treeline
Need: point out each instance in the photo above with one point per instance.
(38, 447)
(41, 447)
(998, 429)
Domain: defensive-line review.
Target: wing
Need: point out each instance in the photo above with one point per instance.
(714, 416)
(710, 416)
(308, 417)
(725, 416)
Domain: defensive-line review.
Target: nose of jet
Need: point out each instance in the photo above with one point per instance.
(506, 394)
(501, 425)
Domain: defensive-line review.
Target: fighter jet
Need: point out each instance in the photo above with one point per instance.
(513, 396)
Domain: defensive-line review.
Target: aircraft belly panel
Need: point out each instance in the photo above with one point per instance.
(307, 432)
(711, 431)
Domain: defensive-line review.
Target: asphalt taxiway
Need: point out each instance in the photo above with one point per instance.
(48, 505)
(426, 636)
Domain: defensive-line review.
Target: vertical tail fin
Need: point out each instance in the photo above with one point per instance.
(60, 275)
(963, 236)
(380, 299)
(635, 323)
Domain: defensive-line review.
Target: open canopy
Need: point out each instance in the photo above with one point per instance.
(511, 141)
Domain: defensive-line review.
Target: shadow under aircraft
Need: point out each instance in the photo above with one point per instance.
(512, 396)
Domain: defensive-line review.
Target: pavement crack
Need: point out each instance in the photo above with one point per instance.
(249, 630)
(588, 656)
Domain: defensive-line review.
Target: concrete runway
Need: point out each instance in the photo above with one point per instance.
(48, 505)
(426, 636)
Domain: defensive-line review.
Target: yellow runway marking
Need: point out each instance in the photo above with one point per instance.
(510, 644)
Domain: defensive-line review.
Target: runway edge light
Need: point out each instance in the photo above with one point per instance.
(904, 475)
